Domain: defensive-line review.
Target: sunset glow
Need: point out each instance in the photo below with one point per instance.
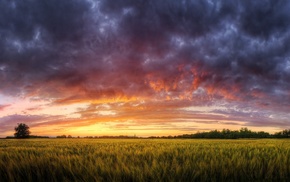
(107, 67)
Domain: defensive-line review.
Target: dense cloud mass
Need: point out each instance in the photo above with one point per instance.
(186, 53)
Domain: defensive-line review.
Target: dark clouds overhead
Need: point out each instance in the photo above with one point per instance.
(214, 50)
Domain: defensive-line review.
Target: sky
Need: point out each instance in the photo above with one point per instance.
(144, 67)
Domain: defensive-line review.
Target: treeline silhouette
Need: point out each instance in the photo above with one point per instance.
(22, 131)
(105, 136)
(30, 136)
(214, 134)
(232, 134)
(64, 136)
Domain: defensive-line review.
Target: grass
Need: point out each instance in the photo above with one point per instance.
(144, 160)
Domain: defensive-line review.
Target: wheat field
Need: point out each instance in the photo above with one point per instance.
(144, 160)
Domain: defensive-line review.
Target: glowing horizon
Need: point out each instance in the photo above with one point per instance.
(92, 68)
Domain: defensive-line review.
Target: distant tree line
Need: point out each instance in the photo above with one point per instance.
(107, 136)
(233, 134)
(30, 136)
(22, 131)
(64, 136)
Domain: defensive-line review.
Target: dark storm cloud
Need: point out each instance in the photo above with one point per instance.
(38, 40)
(198, 50)
(59, 20)
(265, 18)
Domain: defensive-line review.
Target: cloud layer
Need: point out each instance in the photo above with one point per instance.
(186, 53)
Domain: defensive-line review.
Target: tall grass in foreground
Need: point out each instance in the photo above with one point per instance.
(144, 160)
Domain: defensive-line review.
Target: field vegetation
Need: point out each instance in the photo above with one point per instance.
(144, 160)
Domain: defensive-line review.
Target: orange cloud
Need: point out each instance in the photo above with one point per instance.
(2, 107)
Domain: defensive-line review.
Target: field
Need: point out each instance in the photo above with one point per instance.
(144, 160)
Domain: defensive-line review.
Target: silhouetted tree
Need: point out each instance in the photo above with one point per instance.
(286, 133)
(245, 133)
(61, 136)
(283, 134)
(21, 131)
